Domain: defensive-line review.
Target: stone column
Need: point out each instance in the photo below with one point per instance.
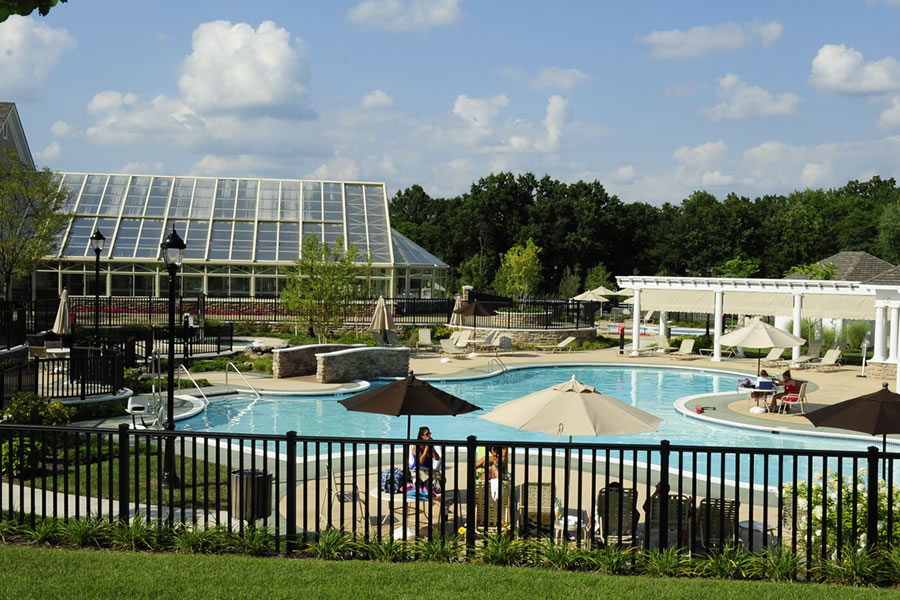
(895, 320)
(880, 350)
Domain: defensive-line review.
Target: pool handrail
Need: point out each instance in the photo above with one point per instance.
(233, 366)
(194, 381)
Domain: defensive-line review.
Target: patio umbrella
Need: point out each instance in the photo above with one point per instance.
(381, 317)
(605, 291)
(475, 309)
(573, 408)
(409, 396)
(759, 334)
(590, 296)
(878, 412)
(62, 326)
(455, 317)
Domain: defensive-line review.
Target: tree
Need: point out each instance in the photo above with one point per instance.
(738, 267)
(570, 284)
(889, 233)
(520, 271)
(598, 276)
(822, 271)
(25, 7)
(321, 284)
(31, 217)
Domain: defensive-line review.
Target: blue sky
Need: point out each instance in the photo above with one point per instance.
(655, 99)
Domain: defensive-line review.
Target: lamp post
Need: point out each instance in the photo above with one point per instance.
(173, 253)
(97, 241)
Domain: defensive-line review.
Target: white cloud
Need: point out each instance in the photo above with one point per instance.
(813, 175)
(124, 118)
(29, 49)
(236, 67)
(110, 100)
(558, 78)
(61, 129)
(242, 165)
(405, 15)
(51, 152)
(715, 178)
(144, 168)
(377, 99)
(742, 101)
(704, 41)
(337, 167)
(890, 117)
(842, 69)
(479, 113)
(624, 174)
(554, 123)
(700, 155)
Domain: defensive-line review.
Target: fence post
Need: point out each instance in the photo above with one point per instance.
(872, 499)
(663, 494)
(291, 493)
(470, 494)
(124, 453)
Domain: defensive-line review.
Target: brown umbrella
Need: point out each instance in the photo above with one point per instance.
(475, 309)
(878, 412)
(409, 396)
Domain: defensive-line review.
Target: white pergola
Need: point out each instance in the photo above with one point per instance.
(796, 298)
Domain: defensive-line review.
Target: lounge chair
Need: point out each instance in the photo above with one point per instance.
(774, 359)
(615, 516)
(563, 345)
(686, 351)
(798, 398)
(813, 352)
(344, 493)
(425, 342)
(536, 506)
(462, 340)
(448, 347)
(679, 519)
(663, 345)
(393, 339)
(500, 344)
(491, 514)
(830, 362)
(716, 521)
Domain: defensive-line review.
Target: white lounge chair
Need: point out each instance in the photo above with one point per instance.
(830, 362)
(425, 342)
(563, 345)
(448, 347)
(773, 358)
(686, 351)
(813, 352)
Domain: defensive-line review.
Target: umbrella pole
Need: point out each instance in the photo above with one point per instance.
(758, 360)
(408, 426)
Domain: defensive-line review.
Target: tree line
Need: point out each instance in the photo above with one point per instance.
(584, 234)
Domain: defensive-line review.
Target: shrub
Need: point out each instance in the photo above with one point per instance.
(613, 560)
(666, 562)
(18, 454)
(263, 364)
(781, 565)
(135, 536)
(256, 541)
(439, 549)
(27, 408)
(731, 562)
(502, 550)
(332, 544)
(46, 531)
(857, 567)
(92, 531)
(856, 332)
(195, 539)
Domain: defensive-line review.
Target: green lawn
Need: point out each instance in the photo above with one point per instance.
(30, 572)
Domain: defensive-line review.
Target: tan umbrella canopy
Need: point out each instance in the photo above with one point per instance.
(590, 296)
(759, 334)
(381, 317)
(605, 291)
(573, 408)
(624, 292)
(62, 326)
(456, 318)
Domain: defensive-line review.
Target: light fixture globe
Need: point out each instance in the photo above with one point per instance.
(97, 242)
(173, 249)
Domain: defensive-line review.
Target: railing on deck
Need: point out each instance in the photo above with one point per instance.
(589, 494)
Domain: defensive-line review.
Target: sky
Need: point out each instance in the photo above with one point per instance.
(654, 99)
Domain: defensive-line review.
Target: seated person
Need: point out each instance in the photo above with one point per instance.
(490, 464)
(425, 462)
(790, 387)
(765, 383)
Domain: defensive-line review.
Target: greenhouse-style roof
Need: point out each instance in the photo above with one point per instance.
(229, 219)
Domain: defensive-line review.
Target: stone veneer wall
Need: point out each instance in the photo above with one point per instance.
(540, 337)
(880, 370)
(301, 360)
(361, 363)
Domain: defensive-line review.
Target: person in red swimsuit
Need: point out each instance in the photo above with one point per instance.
(790, 387)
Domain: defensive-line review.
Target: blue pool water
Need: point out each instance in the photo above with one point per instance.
(651, 389)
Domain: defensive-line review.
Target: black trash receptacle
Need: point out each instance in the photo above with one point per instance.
(251, 494)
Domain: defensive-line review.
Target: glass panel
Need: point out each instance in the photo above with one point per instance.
(266, 238)
(356, 218)
(90, 197)
(265, 287)
(246, 199)
(46, 285)
(82, 228)
(334, 203)
(240, 286)
(72, 183)
(114, 195)
(138, 267)
(268, 200)
(196, 239)
(217, 269)
(192, 285)
(290, 201)
(225, 193)
(289, 241)
(239, 269)
(181, 197)
(265, 270)
(217, 285)
(143, 285)
(137, 196)
(376, 216)
(333, 232)
(313, 229)
(242, 245)
(159, 197)
(121, 285)
(312, 201)
(126, 240)
(203, 196)
(186, 268)
(74, 282)
(151, 238)
(220, 240)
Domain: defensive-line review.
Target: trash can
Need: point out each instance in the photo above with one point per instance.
(251, 494)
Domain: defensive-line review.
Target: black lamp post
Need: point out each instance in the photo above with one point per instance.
(173, 253)
(97, 241)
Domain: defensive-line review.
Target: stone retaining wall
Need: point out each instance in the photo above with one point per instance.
(361, 363)
(881, 371)
(301, 360)
(540, 337)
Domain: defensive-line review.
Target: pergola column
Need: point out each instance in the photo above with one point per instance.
(663, 323)
(880, 353)
(895, 321)
(636, 320)
(798, 325)
(717, 347)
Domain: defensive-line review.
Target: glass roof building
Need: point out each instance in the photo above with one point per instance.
(238, 233)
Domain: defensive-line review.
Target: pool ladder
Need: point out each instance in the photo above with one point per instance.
(500, 366)
(194, 381)
(241, 375)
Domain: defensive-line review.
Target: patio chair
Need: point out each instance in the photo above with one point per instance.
(393, 339)
(563, 345)
(774, 359)
(500, 344)
(536, 506)
(448, 347)
(686, 351)
(462, 340)
(716, 521)
(830, 362)
(425, 342)
(679, 519)
(798, 398)
(813, 352)
(344, 493)
(615, 516)
(663, 345)
(491, 514)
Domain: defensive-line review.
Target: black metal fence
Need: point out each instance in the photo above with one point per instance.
(85, 372)
(12, 325)
(816, 503)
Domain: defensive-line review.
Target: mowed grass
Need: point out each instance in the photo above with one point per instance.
(30, 572)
